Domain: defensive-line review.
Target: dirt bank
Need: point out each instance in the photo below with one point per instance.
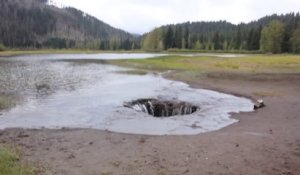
(263, 142)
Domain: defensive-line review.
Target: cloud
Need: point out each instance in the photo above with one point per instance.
(140, 16)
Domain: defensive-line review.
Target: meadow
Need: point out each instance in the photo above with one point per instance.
(208, 64)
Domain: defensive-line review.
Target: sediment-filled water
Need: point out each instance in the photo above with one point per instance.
(58, 94)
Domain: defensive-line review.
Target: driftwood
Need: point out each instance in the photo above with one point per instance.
(259, 104)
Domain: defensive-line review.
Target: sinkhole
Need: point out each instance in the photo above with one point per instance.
(162, 108)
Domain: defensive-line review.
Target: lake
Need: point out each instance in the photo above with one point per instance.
(57, 91)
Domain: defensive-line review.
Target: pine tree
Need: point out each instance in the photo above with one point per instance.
(178, 37)
(296, 41)
(238, 40)
(186, 37)
(216, 41)
(250, 39)
(168, 39)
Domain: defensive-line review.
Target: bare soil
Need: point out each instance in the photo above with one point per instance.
(264, 142)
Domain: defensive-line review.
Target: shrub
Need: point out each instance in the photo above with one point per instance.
(2, 47)
(10, 163)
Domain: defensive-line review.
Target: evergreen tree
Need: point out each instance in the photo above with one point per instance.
(253, 39)
(250, 39)
(178, 37)
(169, 38)
(296, 41)
(238, 40)
(186, 37)
(217, 41)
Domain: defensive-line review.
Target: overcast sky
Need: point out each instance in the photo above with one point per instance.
(140, 16)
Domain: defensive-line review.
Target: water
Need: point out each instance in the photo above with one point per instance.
(66, 94)
(97, 56)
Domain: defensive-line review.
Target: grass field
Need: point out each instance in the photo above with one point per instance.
(209, 69)
(207, 64)
(10, 163)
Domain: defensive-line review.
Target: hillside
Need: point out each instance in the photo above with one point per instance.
(35, 24)
(222, 35)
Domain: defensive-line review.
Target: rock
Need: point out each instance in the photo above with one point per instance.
(22, 135)
(116, 163)
(186, 171)
(287, 172)
(142, 140)
(106, 173)
(42, 86)
(194, 125)
(71, 156)
(259, 104)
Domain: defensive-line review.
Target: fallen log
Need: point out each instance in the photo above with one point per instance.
(259, 104)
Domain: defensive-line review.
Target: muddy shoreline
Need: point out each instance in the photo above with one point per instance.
(263, 142)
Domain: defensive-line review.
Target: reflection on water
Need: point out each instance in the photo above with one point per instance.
(64, 94)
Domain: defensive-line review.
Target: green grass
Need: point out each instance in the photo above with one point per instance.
(134, 72)
(206, 64)
(2, 47)
(213, 51)
(208, 68)
(10, 163)
(6, 102)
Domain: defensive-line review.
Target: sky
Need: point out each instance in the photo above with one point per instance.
(141, 16)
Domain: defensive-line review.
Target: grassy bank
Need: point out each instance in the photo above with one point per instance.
(207, 64)
(214, 51)
(208, 70)
(10, 163)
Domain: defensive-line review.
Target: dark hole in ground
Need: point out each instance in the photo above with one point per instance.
(162, 108)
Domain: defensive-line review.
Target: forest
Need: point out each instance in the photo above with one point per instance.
(36, 24)
(272, 34)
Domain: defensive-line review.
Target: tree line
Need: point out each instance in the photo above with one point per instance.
(275, 34)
